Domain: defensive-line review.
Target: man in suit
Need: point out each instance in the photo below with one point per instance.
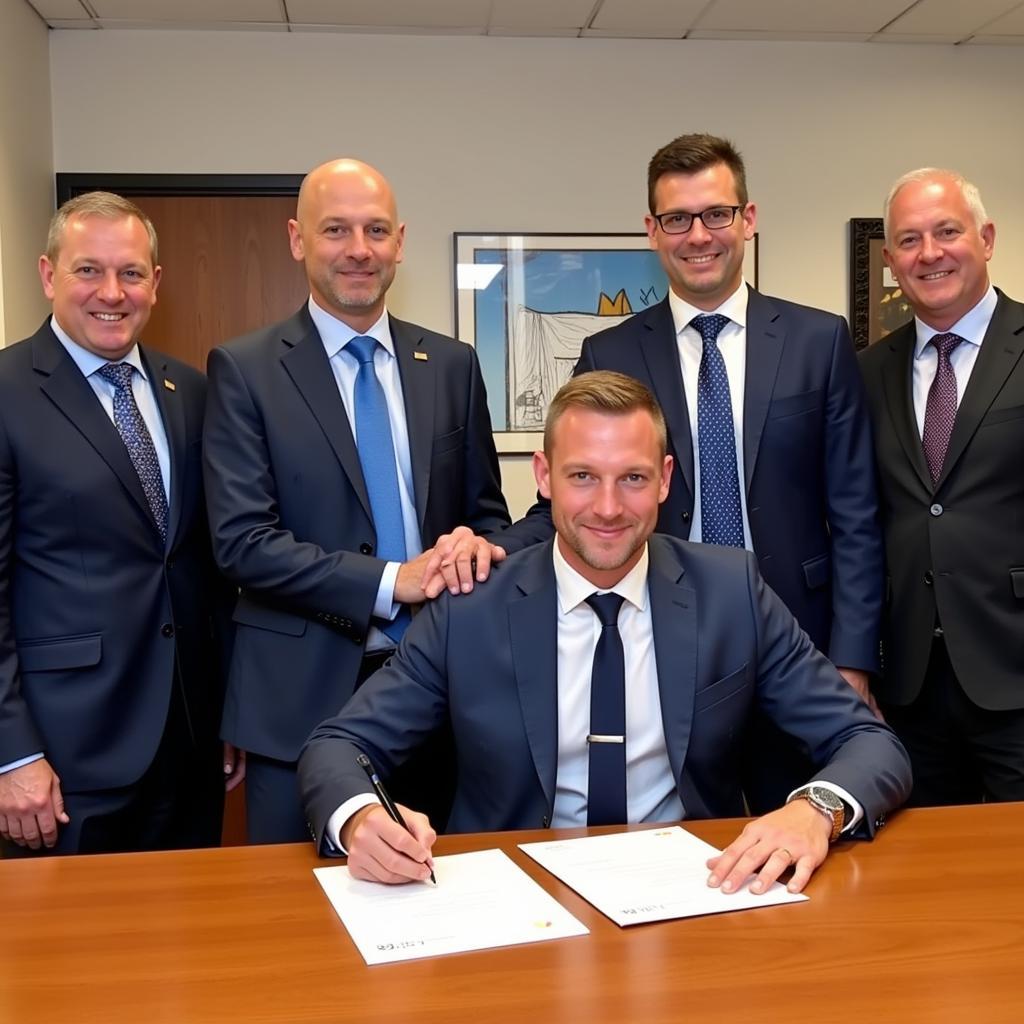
(339, 445)
(946, 393)
(767, 424)
(532, 671)
(110, 664)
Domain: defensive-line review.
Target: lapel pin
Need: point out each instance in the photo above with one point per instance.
(169, 384)
(420, 355)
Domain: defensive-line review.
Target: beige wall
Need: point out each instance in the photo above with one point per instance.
(26, 166)
(554, 135)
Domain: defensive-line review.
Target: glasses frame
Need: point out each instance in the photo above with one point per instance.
(699, 215)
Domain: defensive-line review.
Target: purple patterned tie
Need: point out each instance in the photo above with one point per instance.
(940, 410)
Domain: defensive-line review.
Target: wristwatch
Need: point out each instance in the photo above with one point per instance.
(828, 803)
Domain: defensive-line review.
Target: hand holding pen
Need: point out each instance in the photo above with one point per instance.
(386, 802)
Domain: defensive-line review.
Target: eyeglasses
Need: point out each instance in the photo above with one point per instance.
(713, 218)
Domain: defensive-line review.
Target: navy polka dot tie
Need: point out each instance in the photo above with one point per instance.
(606, 786)
(132, 428)
(721, 515)
(940, 409)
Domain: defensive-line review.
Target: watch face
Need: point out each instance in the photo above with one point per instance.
(825, 797)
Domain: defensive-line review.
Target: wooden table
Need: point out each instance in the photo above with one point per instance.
(924, 925)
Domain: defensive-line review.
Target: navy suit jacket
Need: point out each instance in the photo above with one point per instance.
(290, 516)
(724, 644)
(96, 611)
(956, 547)
(808, 463)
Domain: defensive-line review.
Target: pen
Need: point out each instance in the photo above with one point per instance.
(382, 795)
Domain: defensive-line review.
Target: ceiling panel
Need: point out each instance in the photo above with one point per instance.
(457, 14)
(192, 11)
(1011, 23)
(782, 36)
(842, 16)
(68, 10)
(647, 17)
(537, 15)
(945, 19)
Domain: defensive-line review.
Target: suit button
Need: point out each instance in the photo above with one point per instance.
(366, 549)
(686, 517)
(545, 821)
(936, 509)
(929, 577)
(938, 632)
(167, 630)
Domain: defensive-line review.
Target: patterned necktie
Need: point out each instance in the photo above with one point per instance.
(721, 515)
(606, 787)
(940, 409)
(132, 428)
(377, 457)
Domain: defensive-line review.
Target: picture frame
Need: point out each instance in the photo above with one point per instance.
(526, 302)
(877, 303)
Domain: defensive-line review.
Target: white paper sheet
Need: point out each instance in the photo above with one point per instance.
(481, 900)
(655, 875)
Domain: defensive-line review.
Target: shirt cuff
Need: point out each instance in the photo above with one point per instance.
(858, 811)
(336, 822)
(385, 606)
(4, 769)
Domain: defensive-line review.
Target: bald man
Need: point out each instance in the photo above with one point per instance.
(339, 445)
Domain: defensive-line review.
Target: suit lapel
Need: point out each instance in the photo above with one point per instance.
(765, 339)
(68, 389)
(173, 415)
(533, 634)
(897, 381)
(661, 354)
(999, 354)
(418, 391)
(306, 362)
(674, 622)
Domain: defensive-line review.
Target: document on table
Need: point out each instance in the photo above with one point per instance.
(654, 875)
(481, 900)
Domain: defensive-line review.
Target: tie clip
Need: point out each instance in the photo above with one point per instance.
(169, 384)
(420, 355)
(598, 738)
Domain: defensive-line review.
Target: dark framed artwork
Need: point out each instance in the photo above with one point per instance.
(877, 303)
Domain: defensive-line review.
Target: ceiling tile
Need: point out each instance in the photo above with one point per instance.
(782, 36)
(671, 18)
(536, 15)
(459, 14)
(192, 11)
(65, 10)
(802, 15)
(949, 18)
(986, 40)
(1009, 24)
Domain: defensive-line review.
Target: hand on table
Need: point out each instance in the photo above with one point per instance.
(380, 850)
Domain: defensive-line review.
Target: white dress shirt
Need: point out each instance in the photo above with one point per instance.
(971, 327)
(732, 343)
(335, 336)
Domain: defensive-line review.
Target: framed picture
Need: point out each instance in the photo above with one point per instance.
(526, 302)
(877, 303)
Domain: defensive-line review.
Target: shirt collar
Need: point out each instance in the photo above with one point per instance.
(336, 334)
(734, 307)
(573, 589)
(971, 326)
(88, 362)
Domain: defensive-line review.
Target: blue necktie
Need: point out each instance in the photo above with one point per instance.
(132, 428)
(721, 515)
(380, 473)
(606, 786)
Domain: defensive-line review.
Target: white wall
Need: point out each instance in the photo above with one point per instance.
(26, 166)
(554, 134)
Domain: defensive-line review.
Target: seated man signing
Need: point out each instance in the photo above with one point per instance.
(606, 677)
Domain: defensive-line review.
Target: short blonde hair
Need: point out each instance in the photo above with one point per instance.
(106, 205)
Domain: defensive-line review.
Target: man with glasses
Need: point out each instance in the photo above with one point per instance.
(767, 425)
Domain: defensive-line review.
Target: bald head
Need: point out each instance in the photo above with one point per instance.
(347, 233)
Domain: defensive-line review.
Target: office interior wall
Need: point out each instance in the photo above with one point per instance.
(26, 166)
(528, 135)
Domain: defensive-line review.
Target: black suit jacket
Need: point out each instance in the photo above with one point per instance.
(96, 611)
(808, 465)
(724, 645)
(290, 516)
(955, 548)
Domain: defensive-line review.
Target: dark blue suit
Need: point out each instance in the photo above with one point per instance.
(291, 520)
(808, 464)
(724, 645)
(100, 620)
